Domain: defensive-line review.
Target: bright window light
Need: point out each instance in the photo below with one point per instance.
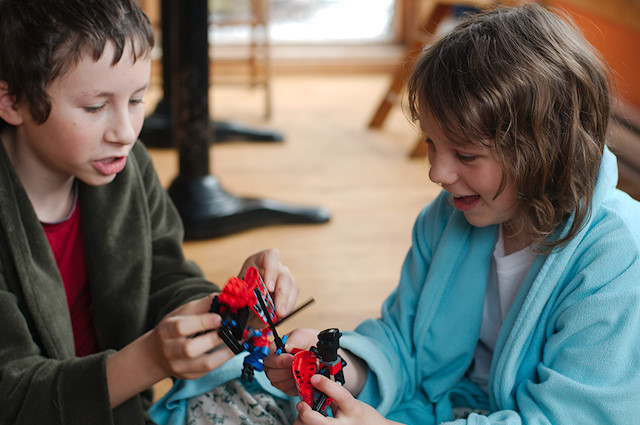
(310, 21)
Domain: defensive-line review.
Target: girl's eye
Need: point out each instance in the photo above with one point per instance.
(466, 158)
(136, 101)
(461, 156)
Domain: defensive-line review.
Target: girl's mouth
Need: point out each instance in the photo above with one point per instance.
(466, 203)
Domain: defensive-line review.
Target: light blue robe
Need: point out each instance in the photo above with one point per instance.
(568, 351)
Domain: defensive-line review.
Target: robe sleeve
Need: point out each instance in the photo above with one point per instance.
(386, 344)
(174, 279)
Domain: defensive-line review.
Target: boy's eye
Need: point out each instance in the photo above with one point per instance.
(93, 109)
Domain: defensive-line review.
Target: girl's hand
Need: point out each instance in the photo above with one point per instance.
(277, 277)
(278, 368)
(278, 371)
(184, 339)
(345, 408)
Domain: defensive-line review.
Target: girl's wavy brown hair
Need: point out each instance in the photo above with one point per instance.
(525, 81)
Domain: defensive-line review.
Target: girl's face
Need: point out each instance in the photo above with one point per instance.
(472, 174)
(97, 113)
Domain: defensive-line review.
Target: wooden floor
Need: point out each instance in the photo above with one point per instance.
(329, 158)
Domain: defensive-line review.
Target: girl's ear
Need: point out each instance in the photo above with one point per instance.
(8, 111)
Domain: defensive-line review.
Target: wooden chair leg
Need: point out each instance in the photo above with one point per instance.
(434, 16)
(396, 87)
(260, 12)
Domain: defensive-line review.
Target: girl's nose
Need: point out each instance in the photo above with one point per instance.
(442, 169)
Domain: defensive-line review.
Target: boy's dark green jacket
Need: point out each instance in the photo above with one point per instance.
(137, 274)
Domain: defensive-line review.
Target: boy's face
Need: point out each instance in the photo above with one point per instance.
(472, 174)
(97, 113)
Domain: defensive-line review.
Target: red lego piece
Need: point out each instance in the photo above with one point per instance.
(304, 367)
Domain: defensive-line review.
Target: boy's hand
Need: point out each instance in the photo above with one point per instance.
(277, 277)
(184, 341)
(179, 346)
(278, 368)
(345, 408)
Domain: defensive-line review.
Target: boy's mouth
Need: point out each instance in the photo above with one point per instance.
(110, 166)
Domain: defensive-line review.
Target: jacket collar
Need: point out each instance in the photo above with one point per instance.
(34, 264)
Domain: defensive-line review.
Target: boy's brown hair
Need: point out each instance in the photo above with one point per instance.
(524, 81)
(41, 39)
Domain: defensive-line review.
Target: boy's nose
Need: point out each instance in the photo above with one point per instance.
(122, 129)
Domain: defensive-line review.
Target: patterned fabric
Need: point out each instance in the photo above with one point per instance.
(238, 402)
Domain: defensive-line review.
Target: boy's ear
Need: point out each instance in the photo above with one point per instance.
(8, 111)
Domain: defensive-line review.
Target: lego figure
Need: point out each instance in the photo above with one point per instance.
(322, 359)
(237, 299)
(257, 344)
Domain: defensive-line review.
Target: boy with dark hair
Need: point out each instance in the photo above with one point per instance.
(97, 302)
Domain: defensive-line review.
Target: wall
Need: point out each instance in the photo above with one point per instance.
(613, 27)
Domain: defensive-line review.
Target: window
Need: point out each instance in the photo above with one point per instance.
(308, 21)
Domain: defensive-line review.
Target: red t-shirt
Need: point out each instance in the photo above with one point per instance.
(67, 245)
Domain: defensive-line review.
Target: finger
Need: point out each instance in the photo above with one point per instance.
(301, 338)
(287, 347)
(195, 368)
(216, 358)
(285, 294)
(188, 326)
(308, 416)
(280, 376)
(269, 266)
(267, 263)
(187, 348)
(201, 344)
(282, 379)
(293, 296)
(283, 361)
(277, 278)
(278, 371)
(288, 385)
(340, 395)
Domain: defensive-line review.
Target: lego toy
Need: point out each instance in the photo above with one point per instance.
(238, 298)
(322, 359)
(257, 344)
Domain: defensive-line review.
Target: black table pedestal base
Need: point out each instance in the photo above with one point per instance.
(208, 211)
(157, 131)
